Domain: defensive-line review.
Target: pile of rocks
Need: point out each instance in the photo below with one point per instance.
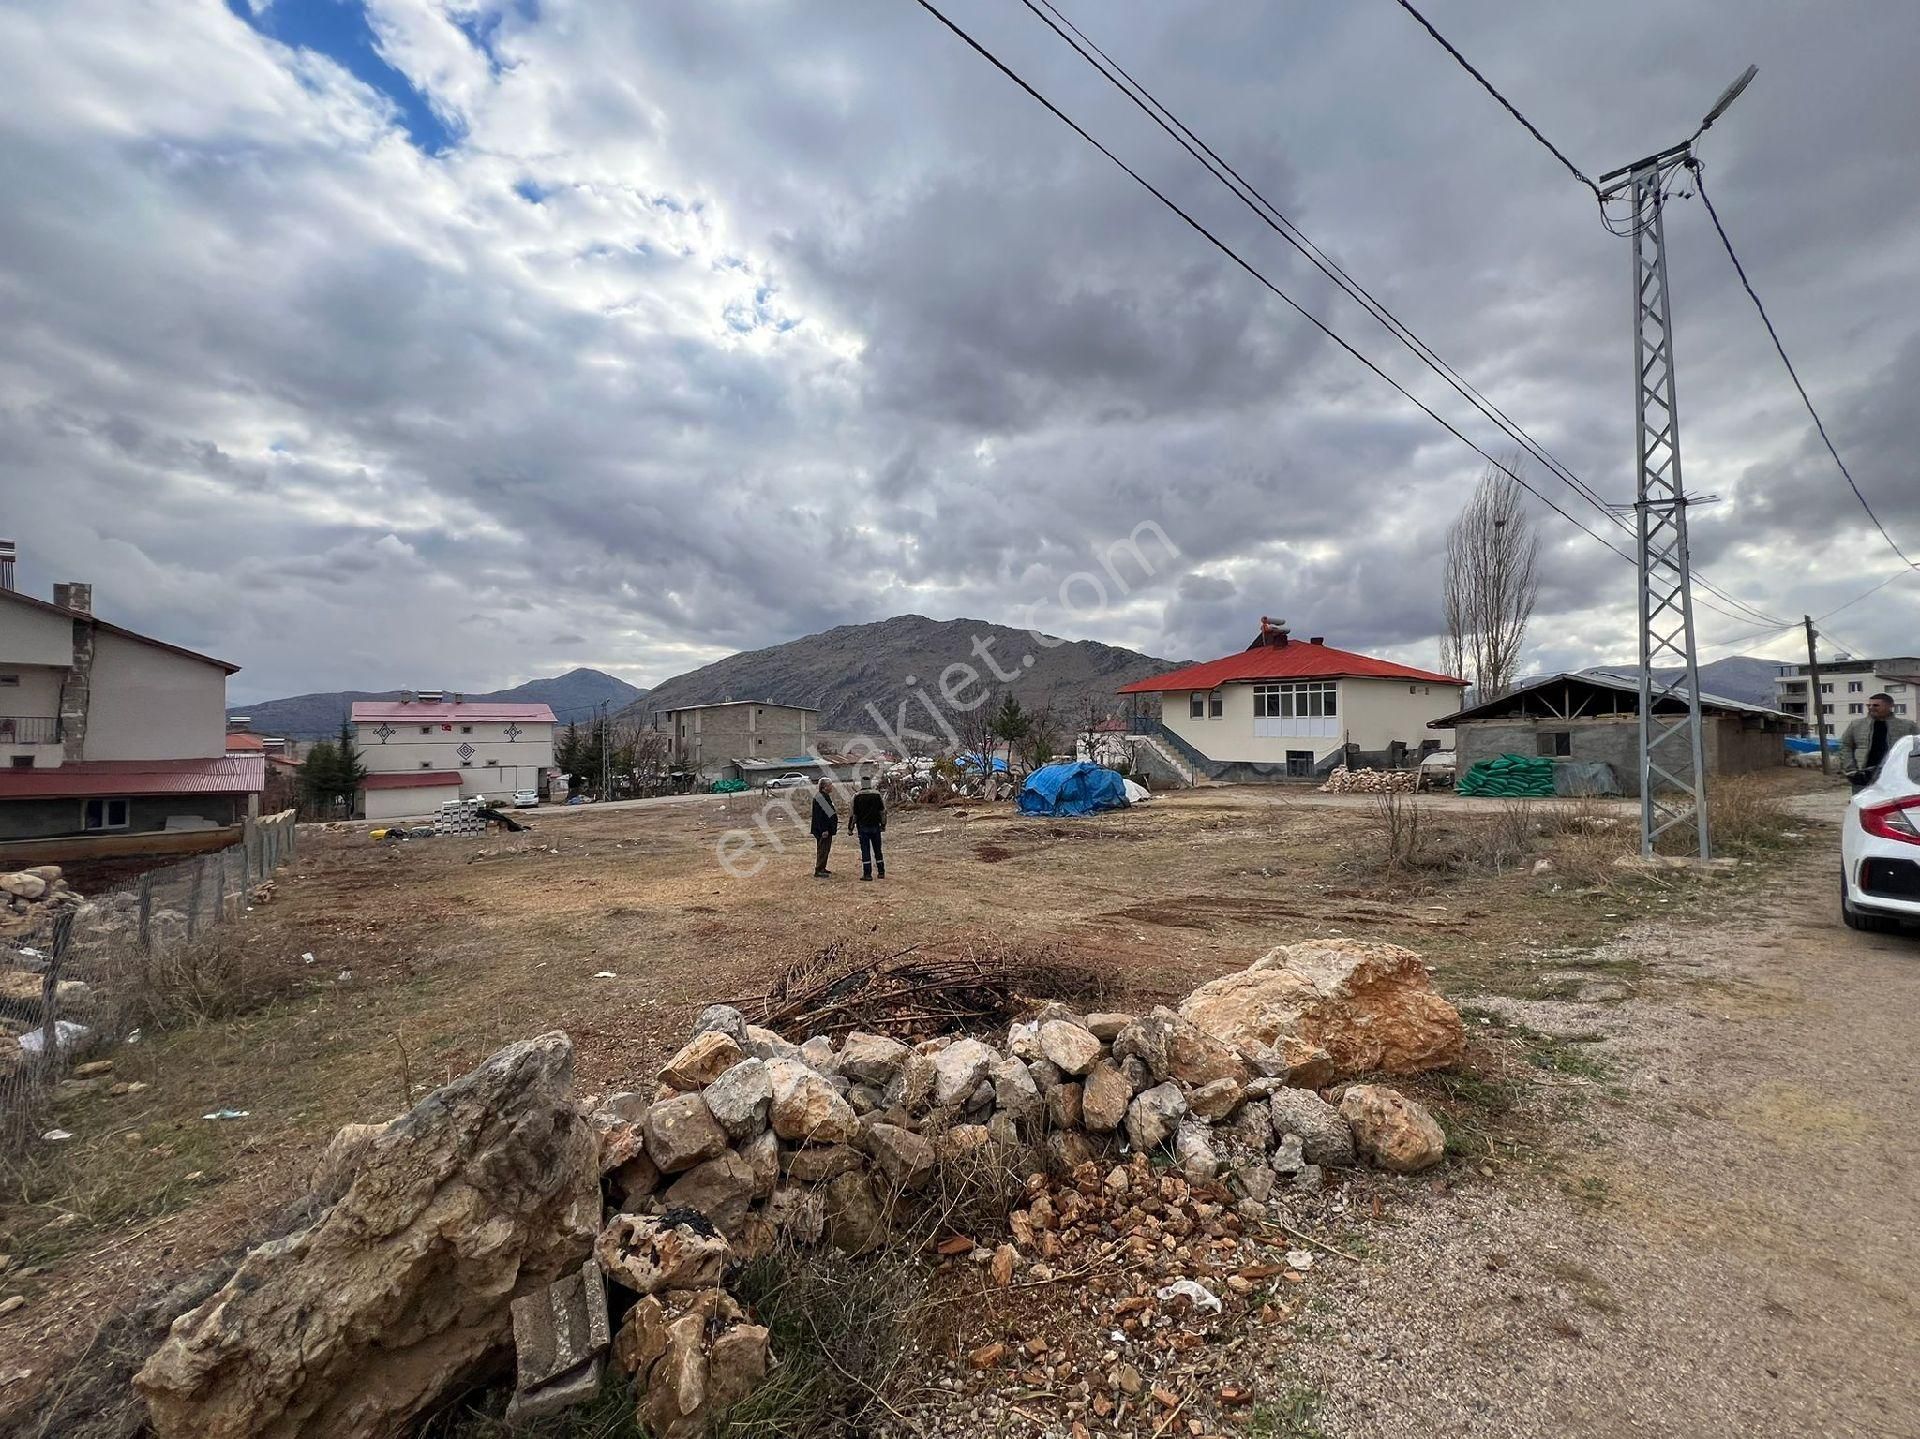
(437, 1224)
(29, 899)
(1370, 781)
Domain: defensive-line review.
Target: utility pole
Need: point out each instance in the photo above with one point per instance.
(1673, 772)
(1814, 706)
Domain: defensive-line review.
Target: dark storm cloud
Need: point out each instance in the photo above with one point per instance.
(714, 325)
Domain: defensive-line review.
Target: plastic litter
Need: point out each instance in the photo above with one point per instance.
(605, 974)
(307, 958)
(56, 1135)
(66, 1034)
(1203, 1298)
(227, 1114)
(1300, 1259)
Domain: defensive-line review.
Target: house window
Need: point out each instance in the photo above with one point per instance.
(1892, 689)
(1299, 764)
(1197, 705)
(1216, 704)
(1856, 709)
(9, 682)
(1899, 709)
(1312, 699)
(104, 814)
(466, 764)
(466, 729)
(492, 762)
(1558, 742)
(426, 729)
(1826, 709)
(23, 761)
(426, 764)
(1826, 689)
(1855, 686)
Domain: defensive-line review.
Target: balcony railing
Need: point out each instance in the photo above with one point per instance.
(29, 729)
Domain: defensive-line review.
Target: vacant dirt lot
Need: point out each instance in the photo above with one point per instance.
(1699, 1062)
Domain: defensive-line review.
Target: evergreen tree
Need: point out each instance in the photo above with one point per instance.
(319, 774)
(1012, 724)
(348, 769)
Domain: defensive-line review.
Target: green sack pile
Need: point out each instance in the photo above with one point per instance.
(1511, 776)
(729, 786)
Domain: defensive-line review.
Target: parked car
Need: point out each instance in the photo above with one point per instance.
(1880, 845)
(792, 779)
(525, 799)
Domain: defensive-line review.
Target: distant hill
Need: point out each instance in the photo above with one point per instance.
(840, 671)
(572, 696)
(1737, 677)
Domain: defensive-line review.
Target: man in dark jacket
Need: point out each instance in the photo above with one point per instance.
(1866, 741)
(826, 824)
(869, 821)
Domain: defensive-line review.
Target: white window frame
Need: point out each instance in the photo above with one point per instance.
(1286, 708)
(1196, 704)
(1855, 686)
(105, 811)
(1216, 704)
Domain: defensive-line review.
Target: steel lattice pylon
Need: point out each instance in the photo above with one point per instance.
(1673, 783)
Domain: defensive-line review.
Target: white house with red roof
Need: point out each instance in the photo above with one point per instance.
(423, 750)
(107, 734)
(1288, 708)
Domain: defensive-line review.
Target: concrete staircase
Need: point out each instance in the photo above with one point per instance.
(1165, 757)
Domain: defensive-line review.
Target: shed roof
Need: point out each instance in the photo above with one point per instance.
(412, 779)
(229, 774)
(1515, 703)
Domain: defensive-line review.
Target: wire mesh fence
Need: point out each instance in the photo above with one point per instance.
(79, 974)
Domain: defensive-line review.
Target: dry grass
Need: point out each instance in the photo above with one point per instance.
(1745, 816)
(217, 976)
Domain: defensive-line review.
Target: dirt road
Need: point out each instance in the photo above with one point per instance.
(1731, 1250)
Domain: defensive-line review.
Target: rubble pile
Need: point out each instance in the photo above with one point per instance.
(1139, 1153)
(1370, 781)
(29, 898)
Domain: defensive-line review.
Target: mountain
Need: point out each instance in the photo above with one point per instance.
(1737, 677)
(840, 671)
(572, 696)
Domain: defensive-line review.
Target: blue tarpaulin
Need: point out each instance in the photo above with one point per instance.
(1072, 789)
(972, 762)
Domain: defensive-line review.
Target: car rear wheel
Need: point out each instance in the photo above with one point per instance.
(1862, 919)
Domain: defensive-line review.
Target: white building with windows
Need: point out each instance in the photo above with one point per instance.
(1287, 708)
(448, 744)
(1845, 688)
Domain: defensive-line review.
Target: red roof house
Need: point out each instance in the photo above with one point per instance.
(1284, 707)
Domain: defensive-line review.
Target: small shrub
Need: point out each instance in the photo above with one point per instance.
(1744, 816)
(214, 976)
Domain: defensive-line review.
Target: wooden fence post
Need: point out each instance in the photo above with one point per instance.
(193, 896)
(146, 911)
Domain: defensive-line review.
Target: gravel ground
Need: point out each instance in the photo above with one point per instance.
(1730, 1251)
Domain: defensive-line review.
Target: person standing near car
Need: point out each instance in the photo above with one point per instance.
(1866, 741)
(826, 824)
(869, 822)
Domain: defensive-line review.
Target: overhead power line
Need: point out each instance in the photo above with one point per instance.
(1246, 265)
(1505, 104)
(1700, 186)
(1699, 180)
(1269, 214)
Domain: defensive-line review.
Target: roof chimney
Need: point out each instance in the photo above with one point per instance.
(239, 724)
(1272, 632)
(1317, 640)
(7, 554)
(74, 595)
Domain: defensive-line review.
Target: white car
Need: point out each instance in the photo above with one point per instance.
(792, 779)
(525, 799)
(1880, 845)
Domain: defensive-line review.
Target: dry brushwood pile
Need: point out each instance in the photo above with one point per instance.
(1139, 1167)
(1371, 781)
(910, 993)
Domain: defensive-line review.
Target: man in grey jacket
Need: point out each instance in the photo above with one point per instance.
(1866, 741)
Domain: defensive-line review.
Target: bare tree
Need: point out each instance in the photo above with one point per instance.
(1492, 582)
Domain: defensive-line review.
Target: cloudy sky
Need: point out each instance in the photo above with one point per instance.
(372, 342)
